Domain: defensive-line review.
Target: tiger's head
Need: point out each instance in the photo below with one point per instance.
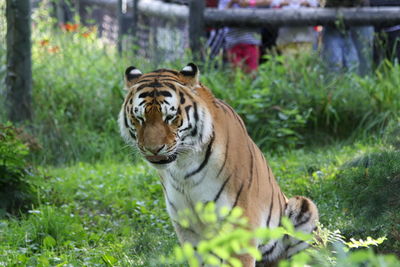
(164, 113)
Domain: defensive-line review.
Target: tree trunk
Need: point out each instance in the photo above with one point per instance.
(19, 69)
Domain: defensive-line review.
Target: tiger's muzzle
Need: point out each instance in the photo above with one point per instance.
(161, 159)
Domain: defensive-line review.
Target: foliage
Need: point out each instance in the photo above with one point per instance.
(17, 178)
(76, 91)
(226, 234)
(291, 101)
(392, 133)
(105, 214)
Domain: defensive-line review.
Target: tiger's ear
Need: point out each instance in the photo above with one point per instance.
(190, 74)
(132, 74)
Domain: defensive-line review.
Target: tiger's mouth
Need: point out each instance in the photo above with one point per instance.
(161, 159)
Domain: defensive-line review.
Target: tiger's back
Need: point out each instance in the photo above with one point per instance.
(203, 153)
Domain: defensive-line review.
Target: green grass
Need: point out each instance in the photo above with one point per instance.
(93, 213)
(90, 214)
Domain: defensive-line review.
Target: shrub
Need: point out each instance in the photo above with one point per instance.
(291, 102)
(17, 179)
(229, 235)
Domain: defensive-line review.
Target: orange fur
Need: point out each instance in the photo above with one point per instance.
(221, 163)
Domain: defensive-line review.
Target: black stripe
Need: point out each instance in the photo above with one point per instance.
(170, 85)
(194, 132)
(237, 197)
(154, 84)
(131, 133)
(235, 115)
(206, 158)
(187, 128)
(295, 244)
(221, 105)
(196, 114)
(302, 222)
(144, 81)
(172, 80)
(165, 93)
(166, 70)
(251, 166)
(166, 196)
(187, 108)
(304, 208)
(157, 76)
(226, 155)
(269, 251)
(182, 98)
(141, 103)
(146, 94)
(221, 189)
(126, 121)
(142, 86)
(280, 207)
(270, 207)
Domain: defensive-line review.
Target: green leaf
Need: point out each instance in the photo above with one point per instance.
(109, 260)
(235, 262)
(188, 250)
(49, 242)
(212, 260)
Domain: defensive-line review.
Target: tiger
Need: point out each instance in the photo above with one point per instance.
(203, 152)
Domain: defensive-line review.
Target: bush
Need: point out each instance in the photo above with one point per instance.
(291, 102)
(17, 179)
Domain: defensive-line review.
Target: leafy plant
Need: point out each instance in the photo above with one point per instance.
(226, 235)
(17, 179)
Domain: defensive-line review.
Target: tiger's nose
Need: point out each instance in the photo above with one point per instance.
(155, 149)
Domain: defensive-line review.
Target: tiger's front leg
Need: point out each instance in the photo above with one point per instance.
(188, 235)
(303, 213)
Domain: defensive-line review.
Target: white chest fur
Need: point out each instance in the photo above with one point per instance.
(183, 191)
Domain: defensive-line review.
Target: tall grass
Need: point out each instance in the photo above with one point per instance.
(290, 100)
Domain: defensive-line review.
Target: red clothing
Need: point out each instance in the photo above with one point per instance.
(211, 3)
(244, 54)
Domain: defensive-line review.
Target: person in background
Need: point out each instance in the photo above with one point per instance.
(387, 41)
(242, 45)
(348, 47)
(295, 40)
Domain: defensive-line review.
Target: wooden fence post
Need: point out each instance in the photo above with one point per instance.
(196, 27)
(19, 61)
(120, 25)
(135, 19)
